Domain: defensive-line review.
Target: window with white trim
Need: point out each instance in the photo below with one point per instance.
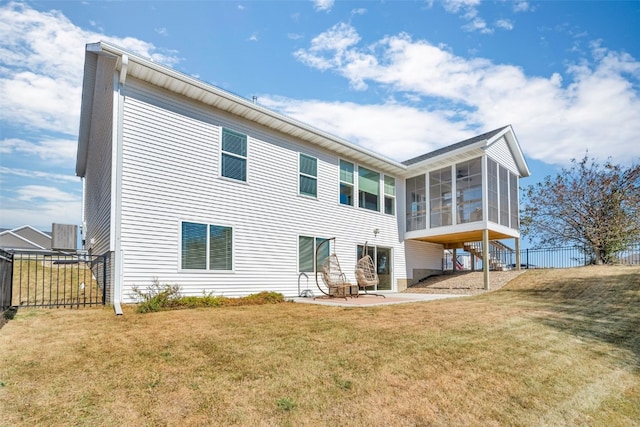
(389, 195)
(206, 247)
(234, 155)
(306, 252)
(368, 189)
(308, 182)
(346, 183)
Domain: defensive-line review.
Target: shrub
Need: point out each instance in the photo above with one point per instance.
(159, 297)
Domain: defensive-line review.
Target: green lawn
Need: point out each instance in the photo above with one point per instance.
(553, 347)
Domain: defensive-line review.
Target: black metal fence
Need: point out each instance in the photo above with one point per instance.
(53, 279)
(572, 256)
(6, 275)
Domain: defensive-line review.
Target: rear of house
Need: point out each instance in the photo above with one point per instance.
(186, 183)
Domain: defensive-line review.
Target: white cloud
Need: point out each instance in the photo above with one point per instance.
(30, 193)
(54, 150)
(594, 106)
(41, 64)
(162, 31)
(522, 6)
(504, 24)
(48, 176)
(376, 127)
(321, 5)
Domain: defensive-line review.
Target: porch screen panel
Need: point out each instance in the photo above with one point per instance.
(469, 190)
(440, 197)
(368, 189)
(194, 246)
(503, 179)
(513, 201)
(221, 248)
(416, 203)
(389, 195)
(492, 191)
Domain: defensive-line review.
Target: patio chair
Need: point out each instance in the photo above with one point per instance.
(366, 275)
(335, 280)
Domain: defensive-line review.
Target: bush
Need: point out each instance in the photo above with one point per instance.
(159, 297)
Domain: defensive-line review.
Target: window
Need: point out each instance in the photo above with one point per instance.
(234, 155)
(368, 189)
(206, 247)
(306, 251)
(513, 200)
(492, 193)
(308, 167)
(346, 183)
(469, 191)
(416, 203)
(389, 195)
(440, 188)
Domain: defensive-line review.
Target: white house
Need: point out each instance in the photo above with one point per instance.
(189, 184)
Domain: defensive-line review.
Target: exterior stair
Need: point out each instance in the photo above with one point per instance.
(497, 252)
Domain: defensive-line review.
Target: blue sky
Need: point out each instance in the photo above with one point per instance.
(400, 78)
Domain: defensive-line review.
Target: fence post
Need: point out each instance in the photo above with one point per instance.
(104, 279)
(527, 259)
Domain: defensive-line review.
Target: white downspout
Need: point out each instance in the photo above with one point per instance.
(118, 252)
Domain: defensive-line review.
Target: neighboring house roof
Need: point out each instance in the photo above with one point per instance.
(24, 237)
(130, 64)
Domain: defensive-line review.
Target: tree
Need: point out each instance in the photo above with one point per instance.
(593, 206)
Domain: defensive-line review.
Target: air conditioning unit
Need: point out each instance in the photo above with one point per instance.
(64, 237)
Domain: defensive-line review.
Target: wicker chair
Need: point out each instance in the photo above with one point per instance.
(335, 280)
(366, 275)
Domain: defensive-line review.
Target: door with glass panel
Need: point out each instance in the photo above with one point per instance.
(381, 257)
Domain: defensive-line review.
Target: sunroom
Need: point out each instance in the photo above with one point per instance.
(465, 196)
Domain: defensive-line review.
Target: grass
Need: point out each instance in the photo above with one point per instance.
(553, 347)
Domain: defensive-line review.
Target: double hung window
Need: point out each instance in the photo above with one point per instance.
(346, 183)
(308, 182)
(234, 155)
(306, 252)
(389, 195)
(206, 247)
(368, 189)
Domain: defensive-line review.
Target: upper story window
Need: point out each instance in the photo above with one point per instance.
(234, 155)
(389, 195)
(440, 197)
(308, 182)
(368, 189)
(206, 247)
(346, 183)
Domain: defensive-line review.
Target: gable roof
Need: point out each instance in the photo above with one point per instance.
(479, 143)
(130, 64)
(25, 237)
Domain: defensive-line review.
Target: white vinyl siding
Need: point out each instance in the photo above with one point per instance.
(171, 171)
(308, 179)
(98, 198)
(500, 152)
